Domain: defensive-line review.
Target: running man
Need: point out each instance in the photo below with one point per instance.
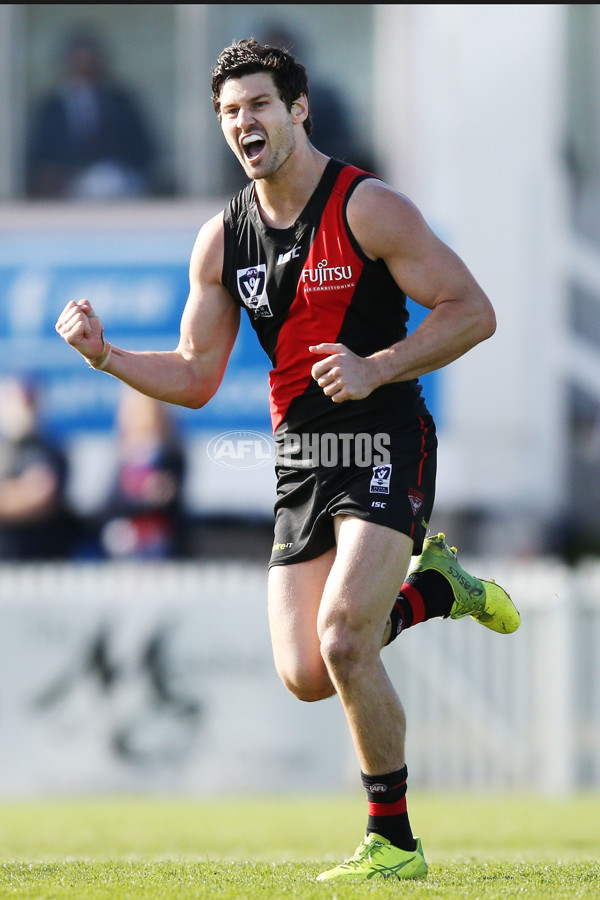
(322, 256)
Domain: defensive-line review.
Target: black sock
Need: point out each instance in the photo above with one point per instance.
(424, 595)
(388, 817)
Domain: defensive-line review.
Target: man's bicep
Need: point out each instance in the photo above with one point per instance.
(211, 317)
(390, 227)
(428, 271)
(209, 324)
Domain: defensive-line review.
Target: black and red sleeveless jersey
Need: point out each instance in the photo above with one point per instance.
(310, 284)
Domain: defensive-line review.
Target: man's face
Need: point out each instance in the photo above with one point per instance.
(257, 124)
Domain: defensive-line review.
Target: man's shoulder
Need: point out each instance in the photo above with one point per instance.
(207, 252)
(373, 196)
(373, 187)
(211, 232)
(382, 218)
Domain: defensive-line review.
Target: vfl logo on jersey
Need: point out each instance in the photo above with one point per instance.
(252, 284)
(380, 480)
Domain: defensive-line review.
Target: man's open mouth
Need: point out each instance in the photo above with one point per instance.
(252, 144)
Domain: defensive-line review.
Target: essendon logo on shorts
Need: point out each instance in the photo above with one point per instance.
(252, 284)
(415, 499)
(380, 480)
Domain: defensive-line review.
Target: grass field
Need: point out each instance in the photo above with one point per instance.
(477, 847)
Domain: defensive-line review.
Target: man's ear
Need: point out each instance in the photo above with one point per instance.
(300, 109)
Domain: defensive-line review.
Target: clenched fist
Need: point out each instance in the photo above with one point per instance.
(79, 325)
(342, 374)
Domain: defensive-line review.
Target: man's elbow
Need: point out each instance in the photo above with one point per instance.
(193, 402)
(489, 325)
(196, 399)
(198, 394)
(197, 384)
(485, 326)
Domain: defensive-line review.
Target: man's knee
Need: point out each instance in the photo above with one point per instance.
(348, 646)
(340, 648)
(307, 686)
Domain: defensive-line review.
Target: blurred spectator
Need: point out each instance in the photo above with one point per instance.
(89, 138)
(142, 516)
(35, 523)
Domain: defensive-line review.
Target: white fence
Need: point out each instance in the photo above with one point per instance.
(160, 678)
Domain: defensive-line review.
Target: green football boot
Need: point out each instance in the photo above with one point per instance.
(375, 857)
(484, 601)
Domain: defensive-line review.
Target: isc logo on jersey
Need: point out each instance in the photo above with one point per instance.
(252, 283)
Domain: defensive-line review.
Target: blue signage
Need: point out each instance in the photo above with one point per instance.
(140, 307)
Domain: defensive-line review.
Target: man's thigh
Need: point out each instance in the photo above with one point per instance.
(294, 598)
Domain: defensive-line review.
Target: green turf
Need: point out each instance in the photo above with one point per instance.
(477, 847)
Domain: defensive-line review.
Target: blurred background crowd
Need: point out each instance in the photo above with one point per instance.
(99, 126)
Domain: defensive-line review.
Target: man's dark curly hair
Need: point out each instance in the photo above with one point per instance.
(247, 57)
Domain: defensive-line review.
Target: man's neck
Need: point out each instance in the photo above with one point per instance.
(282, 197)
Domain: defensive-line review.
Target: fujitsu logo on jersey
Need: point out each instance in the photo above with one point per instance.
(327, 275)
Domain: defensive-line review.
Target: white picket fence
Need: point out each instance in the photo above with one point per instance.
(160, 677)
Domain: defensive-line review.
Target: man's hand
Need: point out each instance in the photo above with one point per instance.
(342, 374)
(79, 325)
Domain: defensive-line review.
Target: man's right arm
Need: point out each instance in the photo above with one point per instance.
(191, 374)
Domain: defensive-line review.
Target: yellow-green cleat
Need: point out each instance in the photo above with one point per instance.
(484, 601)
(375, 857)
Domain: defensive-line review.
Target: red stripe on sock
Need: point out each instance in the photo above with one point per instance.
(387, 809)
(416, 601)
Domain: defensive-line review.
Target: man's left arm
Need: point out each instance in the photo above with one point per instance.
(388, 226)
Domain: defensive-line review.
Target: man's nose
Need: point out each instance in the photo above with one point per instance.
(244, 117)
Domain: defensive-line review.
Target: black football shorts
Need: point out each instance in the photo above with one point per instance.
(384, 477)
